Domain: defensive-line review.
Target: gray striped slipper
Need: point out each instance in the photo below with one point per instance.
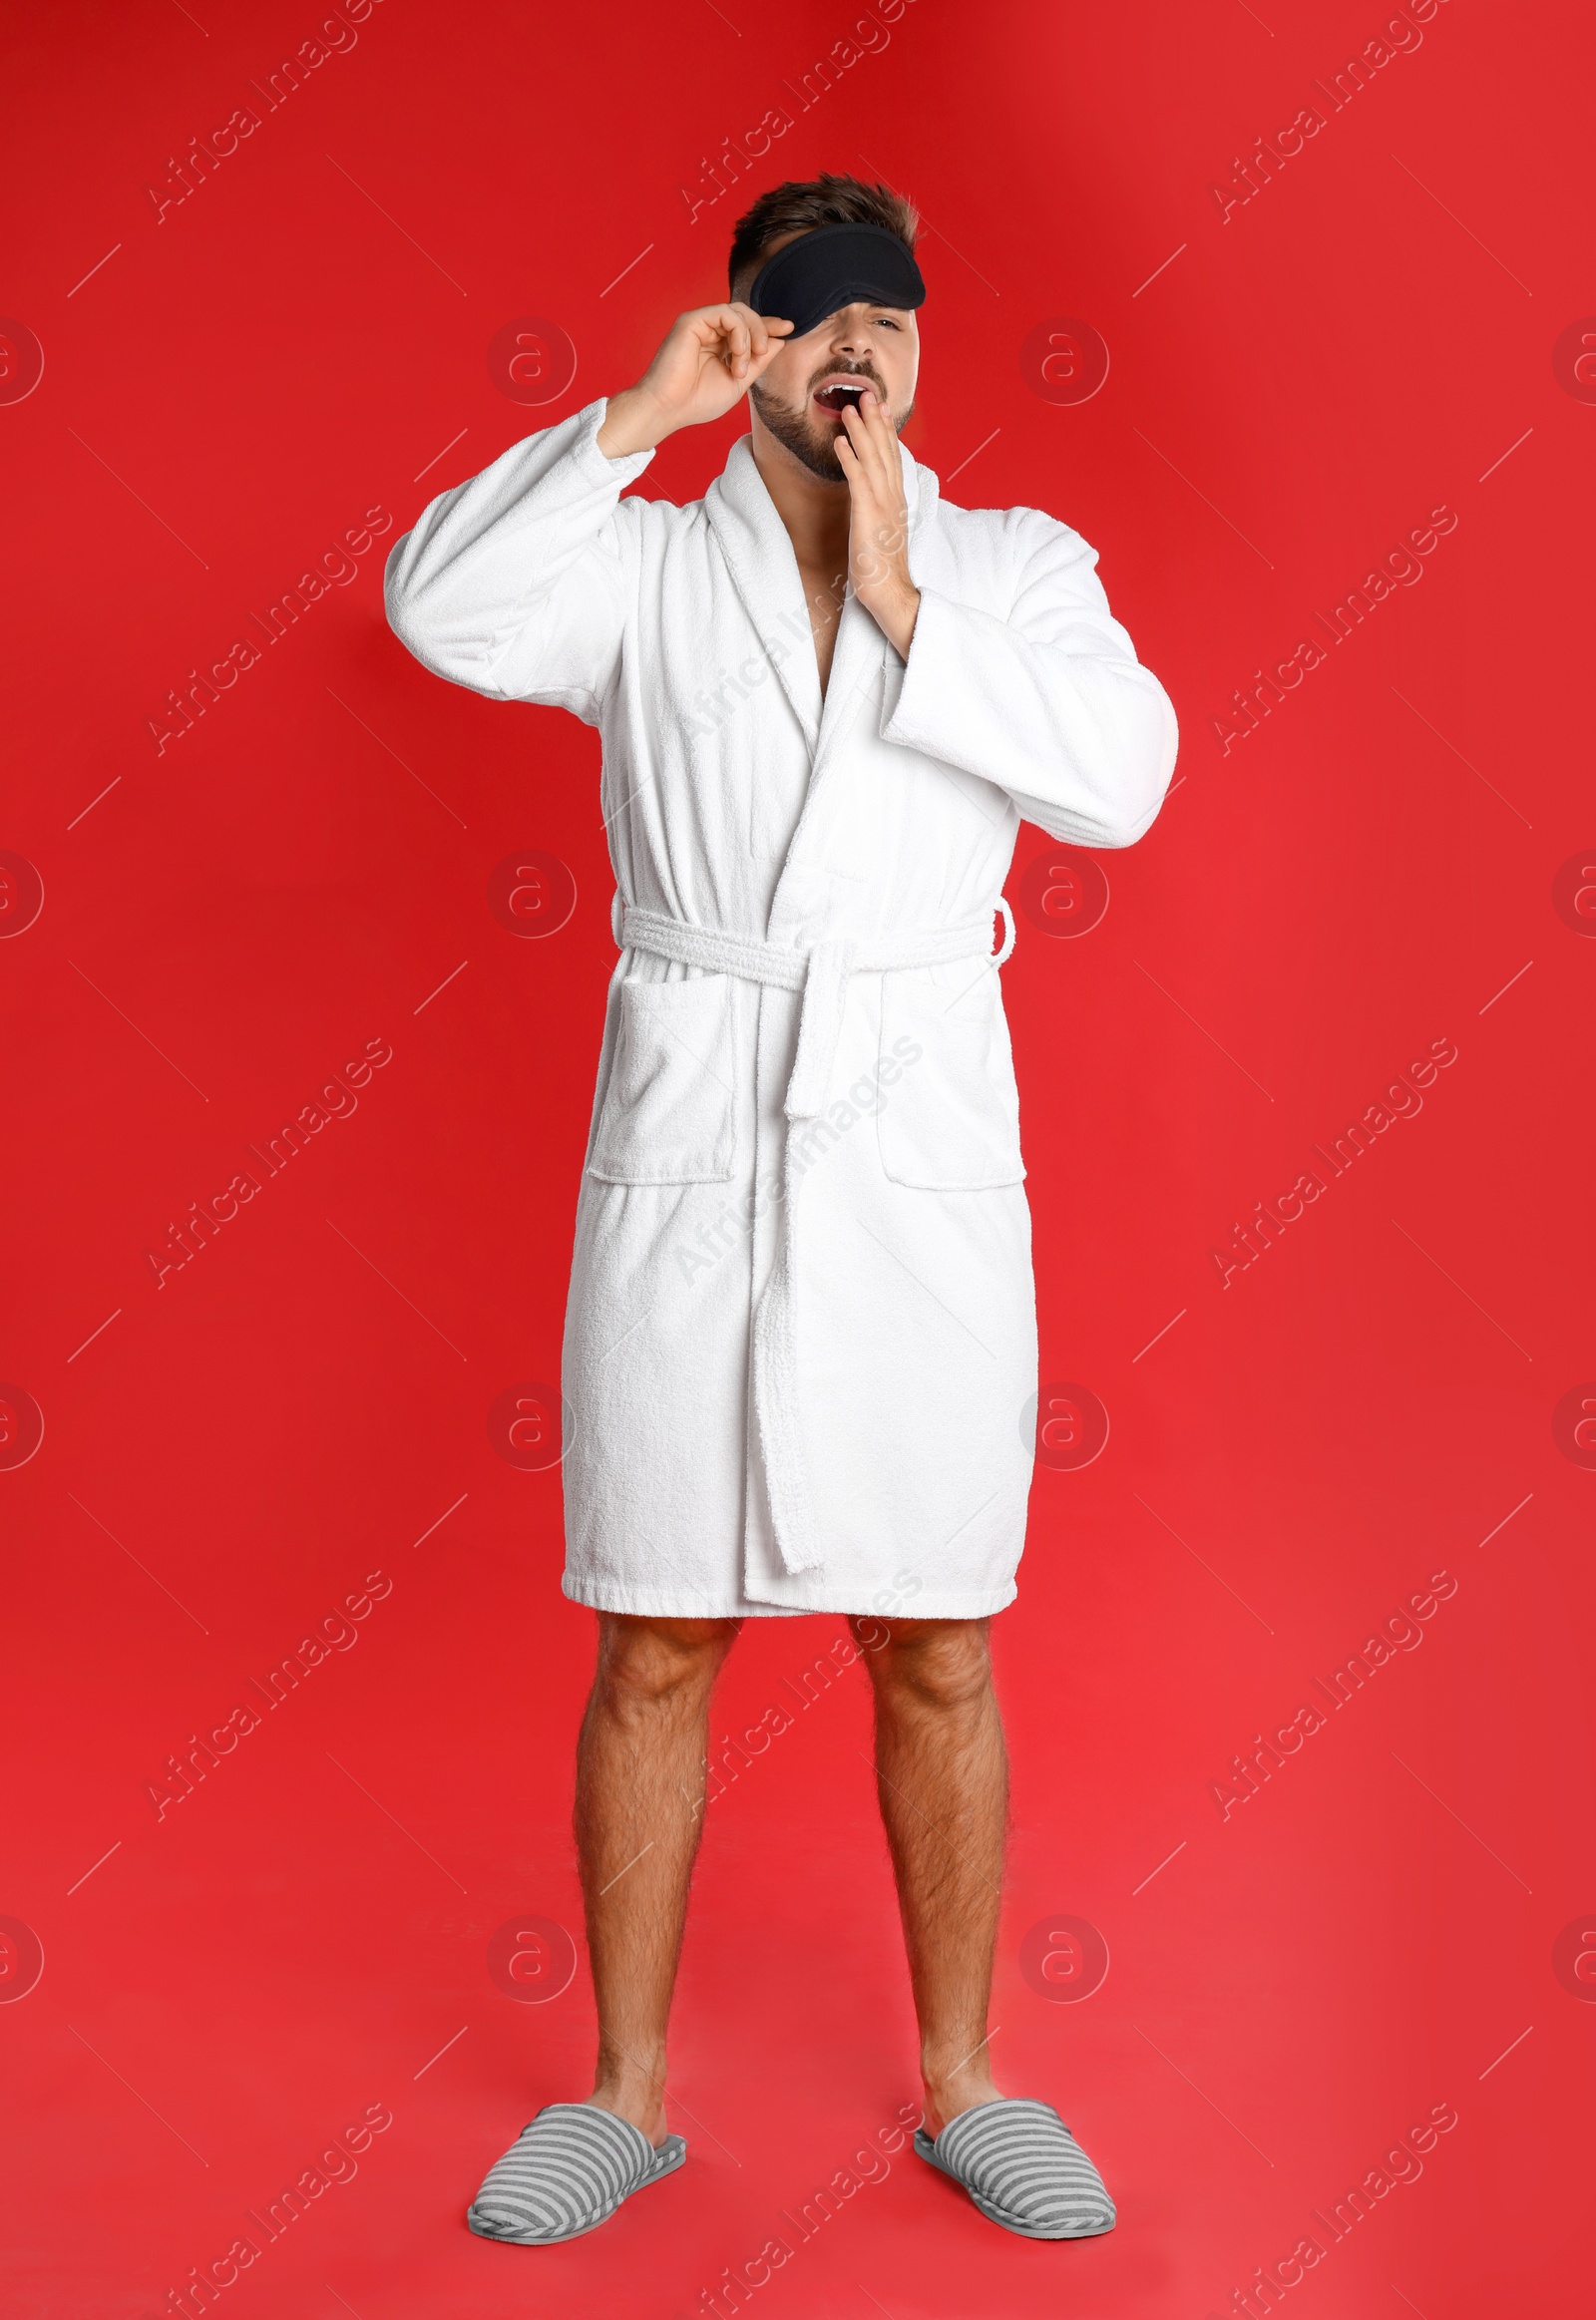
(566, 2173)
(1023, 2169)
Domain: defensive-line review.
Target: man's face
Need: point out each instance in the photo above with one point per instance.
(800, 397)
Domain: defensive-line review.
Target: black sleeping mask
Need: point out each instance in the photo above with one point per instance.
(832, 267)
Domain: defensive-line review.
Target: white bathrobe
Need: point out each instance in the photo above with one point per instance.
(800, 1350)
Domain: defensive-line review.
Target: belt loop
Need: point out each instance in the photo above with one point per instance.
(618, 918)
(1009, 944)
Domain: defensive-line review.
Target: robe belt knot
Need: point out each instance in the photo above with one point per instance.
(822, 975)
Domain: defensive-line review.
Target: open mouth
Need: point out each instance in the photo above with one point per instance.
(839, 395)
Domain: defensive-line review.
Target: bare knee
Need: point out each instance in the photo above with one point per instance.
(645, 1663)
(932, 1663)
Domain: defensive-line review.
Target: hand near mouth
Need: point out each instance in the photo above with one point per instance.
(878, 527)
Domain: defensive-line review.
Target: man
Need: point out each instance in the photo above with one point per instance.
(801, 1333)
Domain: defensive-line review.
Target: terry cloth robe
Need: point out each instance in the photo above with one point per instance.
(800, 1346)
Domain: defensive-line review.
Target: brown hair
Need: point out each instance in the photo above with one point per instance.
(799, 204)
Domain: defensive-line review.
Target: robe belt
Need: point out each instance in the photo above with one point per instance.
(821, 975)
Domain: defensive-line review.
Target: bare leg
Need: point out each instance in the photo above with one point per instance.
(942, 1781)
(640, 1784)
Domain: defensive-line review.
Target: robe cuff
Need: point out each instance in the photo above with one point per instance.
(597, 467)
(919, 717)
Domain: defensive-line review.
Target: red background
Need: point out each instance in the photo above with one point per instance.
(228, 920)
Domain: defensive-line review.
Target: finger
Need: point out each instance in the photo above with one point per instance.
(737, 348)
(877, 414)
(773, 323)
(865, 442)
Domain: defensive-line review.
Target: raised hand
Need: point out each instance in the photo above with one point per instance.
(709, 359)
(877, 523)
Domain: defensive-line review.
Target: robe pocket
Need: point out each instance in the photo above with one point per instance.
(949, 1120)
(668, 1113)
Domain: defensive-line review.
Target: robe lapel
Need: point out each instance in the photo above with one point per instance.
(861, 648)
(753, 539)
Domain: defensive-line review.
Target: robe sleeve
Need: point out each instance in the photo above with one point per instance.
(518, 583)
(1051, 703)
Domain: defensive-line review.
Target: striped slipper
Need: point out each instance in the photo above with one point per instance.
(568, 2172)
(1023, 2169)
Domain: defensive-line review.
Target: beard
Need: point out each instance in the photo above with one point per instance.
(810, 441)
